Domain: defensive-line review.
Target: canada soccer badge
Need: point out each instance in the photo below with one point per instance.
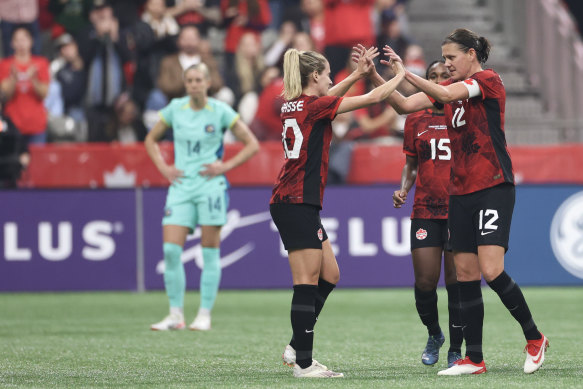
(320, 234)
(421, 234)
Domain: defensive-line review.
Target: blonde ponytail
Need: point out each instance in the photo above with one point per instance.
(292, 78)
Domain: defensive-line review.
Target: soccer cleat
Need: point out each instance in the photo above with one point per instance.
(289, 356)
(464, 366)
(535, 354)
(452, 357)
(170, 322)
(201, 323)
(315, 370)
(430, 355)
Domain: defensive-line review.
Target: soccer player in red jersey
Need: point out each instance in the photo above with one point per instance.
(427, 162)
(311, 105)
(481, 189)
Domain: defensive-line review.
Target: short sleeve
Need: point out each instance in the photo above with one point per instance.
(229, 117)
(324, 107)
(409, 137)
(490, 84)
(166, 114)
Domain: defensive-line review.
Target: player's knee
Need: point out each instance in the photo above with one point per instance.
(426, 284)
(172, 253)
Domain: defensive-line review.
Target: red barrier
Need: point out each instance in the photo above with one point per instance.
(113, 165)
(373, 164)
(99, 165)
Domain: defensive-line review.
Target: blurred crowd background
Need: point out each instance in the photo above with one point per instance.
(99, 70)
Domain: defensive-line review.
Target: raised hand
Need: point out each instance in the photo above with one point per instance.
(363, 58)
(395, 62)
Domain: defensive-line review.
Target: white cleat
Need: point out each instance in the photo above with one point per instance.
(464, 366)
(201, 323)
(535, 354)
(316, 370)
(289, 356)
(169, 323)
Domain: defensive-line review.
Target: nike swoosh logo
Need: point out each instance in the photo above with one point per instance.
(540, 355)
(307, 332)
(421, 133)
(486, 233)
(454, 326)
(540, 352)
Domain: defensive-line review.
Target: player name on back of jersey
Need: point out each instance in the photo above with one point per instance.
(292, 106)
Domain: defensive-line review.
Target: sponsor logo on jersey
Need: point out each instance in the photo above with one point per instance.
(209, 128)
(320, 234)
(421, 234)
(567, 234)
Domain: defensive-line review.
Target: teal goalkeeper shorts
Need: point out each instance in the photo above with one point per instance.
(204, 209)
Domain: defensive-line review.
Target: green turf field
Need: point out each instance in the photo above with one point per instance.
(374, 337)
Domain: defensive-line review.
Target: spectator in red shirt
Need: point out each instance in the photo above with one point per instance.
(24, 83)
(240, 17)
(314, 23)
(267, 122)
(347, 23)
(200, 13)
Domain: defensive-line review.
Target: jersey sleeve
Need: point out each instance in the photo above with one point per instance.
(489, 83)
(409, 137)
(324, 107)
(229, 117)
(166, 114)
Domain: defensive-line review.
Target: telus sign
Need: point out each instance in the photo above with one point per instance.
(68, 240)
(99, 244)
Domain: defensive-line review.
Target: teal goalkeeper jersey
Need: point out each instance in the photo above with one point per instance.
(198, 139)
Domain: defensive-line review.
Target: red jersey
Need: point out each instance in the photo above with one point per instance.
(307, 133)
(476, 129)
(426, 139)
(25, 108)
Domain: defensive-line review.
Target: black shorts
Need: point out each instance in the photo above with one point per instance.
(481, 218)
(428, 233)
(299, 225)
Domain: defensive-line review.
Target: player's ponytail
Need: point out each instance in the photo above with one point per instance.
(467, 40)
(292, 79)
(483, 50)
(297, 68)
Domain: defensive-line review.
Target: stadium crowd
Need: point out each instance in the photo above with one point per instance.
(105, 68)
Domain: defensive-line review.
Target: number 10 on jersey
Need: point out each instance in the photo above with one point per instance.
(292, 138)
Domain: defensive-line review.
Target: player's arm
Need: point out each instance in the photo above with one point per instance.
(151, 144)
(408, 177)
(443, 94)
(364, 67)
(251, 146)
(400, 103)
(376, 95)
